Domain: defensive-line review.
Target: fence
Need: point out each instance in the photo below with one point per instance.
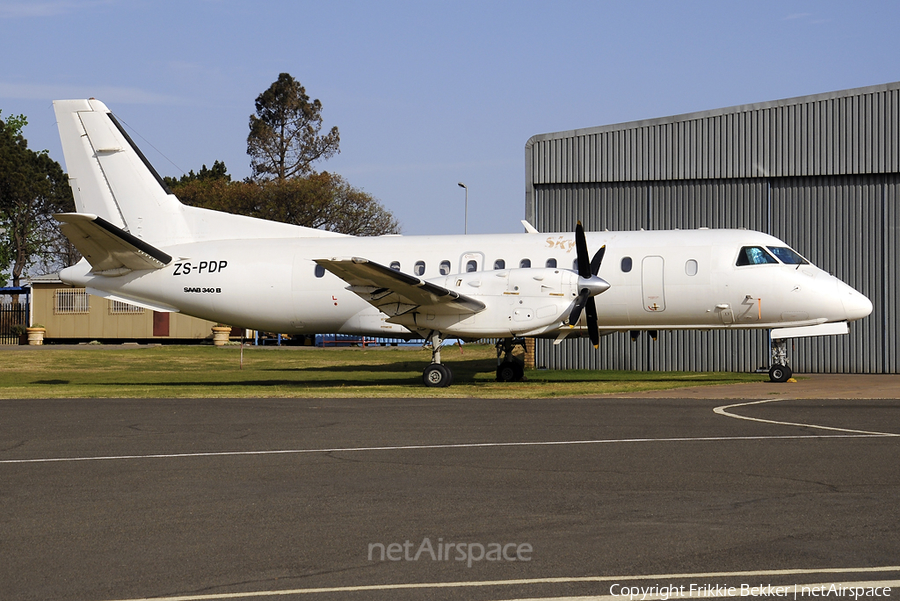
(11, 315)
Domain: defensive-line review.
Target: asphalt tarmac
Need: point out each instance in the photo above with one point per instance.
(450, 498)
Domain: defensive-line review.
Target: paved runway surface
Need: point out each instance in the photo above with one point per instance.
(574, 499)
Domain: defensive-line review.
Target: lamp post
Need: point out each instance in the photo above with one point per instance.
(466, 222)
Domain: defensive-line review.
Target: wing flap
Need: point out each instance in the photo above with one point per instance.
(394, 292)
(108, 248)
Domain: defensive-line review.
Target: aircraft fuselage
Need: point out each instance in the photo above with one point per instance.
(674, 279)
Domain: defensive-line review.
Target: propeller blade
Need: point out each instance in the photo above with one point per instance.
(580, 301)
(584, 266)
(597, 260)
(592, 322)
(587, 275)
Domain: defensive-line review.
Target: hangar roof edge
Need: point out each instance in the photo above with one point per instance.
(740, 108)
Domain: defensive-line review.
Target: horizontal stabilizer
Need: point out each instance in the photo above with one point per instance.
(395, 293)
(109, 249)
(137, 302)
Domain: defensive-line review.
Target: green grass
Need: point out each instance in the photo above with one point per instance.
(205, 371)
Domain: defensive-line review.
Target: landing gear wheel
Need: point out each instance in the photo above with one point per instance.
(437, 376)
(780, 373)
(510, 371)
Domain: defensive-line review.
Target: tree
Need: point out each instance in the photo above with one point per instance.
(218, 172)
(32, 188)
(322, 200)
(285, 136)
(14, 124)
(284, 141)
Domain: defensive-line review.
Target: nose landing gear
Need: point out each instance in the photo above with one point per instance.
(780, 371)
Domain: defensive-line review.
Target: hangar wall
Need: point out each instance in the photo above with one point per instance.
(820, 172)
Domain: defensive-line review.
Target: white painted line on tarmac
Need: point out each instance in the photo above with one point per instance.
(723, 410)
(528, 581)
(473, 445)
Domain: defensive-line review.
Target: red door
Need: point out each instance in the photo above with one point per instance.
(160, 324)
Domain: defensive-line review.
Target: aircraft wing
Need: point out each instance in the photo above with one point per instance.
(107, 247)
(395, 293)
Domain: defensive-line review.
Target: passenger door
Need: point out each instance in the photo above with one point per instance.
(653, 284)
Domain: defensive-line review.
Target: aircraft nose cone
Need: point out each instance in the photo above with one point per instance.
(856, 305)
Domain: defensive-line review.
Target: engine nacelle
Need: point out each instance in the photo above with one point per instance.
(517, 302)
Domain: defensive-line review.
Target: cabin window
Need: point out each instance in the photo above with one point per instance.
(754, 255)
(626, 264)
(395, 265)
(550, 264)
(788, 256)
(471, 266)
(445, 267)
(690, 267)
(499, 264)
(320, 271)
(419, 268)
(525, 263)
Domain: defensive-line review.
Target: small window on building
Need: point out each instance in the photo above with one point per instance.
(754, 255)
(690, 267)
(120, 308)
(499, 264)
(471, 266)
(445, 267)
(525, 263)
(551, 263)
(320, 271)
(419, 268)
(71, 300)
(395, 265)
(626, 264)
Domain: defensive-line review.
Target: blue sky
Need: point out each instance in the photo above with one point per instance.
(425, 94)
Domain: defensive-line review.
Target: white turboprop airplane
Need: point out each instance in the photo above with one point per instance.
(142, 246)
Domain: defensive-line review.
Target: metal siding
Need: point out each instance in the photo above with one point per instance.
(890, 293)
(717, 170)
(830, 221)
(816, 137)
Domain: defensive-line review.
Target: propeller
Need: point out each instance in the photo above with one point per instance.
(589, 285)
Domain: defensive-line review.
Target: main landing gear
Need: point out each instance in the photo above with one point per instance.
(780, 371)
(436, 375)
(509, 367)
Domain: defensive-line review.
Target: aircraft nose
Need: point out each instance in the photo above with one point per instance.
(856, 305)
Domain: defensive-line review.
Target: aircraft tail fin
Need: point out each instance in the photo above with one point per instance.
(113, 180)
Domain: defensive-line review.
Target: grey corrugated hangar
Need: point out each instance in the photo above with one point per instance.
(820, 172)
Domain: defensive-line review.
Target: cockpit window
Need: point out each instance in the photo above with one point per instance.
(788, 256)
(754, 255)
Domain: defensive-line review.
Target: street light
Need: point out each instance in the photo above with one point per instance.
(466, 222)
